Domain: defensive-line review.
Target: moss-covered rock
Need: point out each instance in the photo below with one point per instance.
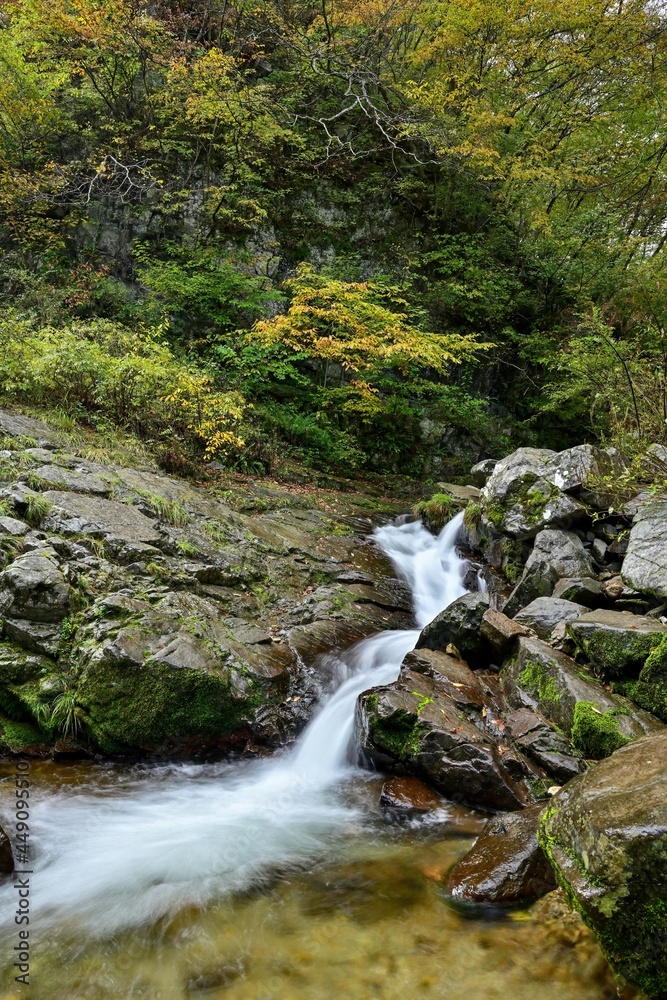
(545, 679)
(650, 690)
(605, 834)
(616, 642)
(596, 734)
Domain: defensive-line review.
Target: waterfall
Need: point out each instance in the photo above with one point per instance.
(137, 843)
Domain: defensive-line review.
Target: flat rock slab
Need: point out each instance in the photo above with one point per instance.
(72, 479)
(645, 564)
(544, 613)
(113, 519)
(12, 526)
(606, 835)
(616, 641)
(14, 425)
(506, 864)
(34, 588)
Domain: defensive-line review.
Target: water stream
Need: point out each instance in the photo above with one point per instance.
(145, 875)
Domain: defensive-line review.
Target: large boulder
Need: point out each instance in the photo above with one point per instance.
(576, 469)
(34, 588)
(616, 642)
(605, 834)
(506, 865)
(459, 626)
(419, 724)
(556, 554)
(544, 613)
(645, 563)
(548, 681)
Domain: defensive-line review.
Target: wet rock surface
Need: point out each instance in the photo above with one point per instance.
(141, 613)
(506, 866)
(605, 833)
(459, 626)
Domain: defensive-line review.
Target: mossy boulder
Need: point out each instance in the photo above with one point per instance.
(650, 690)
(550, 682)
(420, 725)
(605, 833)
(616, 642)
(459, 625)
(596, 734)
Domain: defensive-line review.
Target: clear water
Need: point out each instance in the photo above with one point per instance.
(272, 878)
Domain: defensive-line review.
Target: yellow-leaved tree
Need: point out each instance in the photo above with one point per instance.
(358, 334)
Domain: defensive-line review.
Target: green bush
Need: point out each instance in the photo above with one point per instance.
(100, 372)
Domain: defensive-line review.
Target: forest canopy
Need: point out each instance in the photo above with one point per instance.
(364, 229)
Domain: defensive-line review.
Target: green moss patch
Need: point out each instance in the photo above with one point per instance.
(650, 691)
(399, 734)
(535, 679)
(436, 512)
(596, 734)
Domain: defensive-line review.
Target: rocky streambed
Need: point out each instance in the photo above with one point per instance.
(146, 618)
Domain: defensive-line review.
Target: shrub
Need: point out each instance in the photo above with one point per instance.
(101, 372)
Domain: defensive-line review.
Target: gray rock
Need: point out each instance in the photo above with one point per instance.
(109, 518)
(36, 637)
(513, 467)
(481, 472)
(551, 683)
(599, 550)
(645, 564)
(544, 613)
(605, 834)
(41, 455)
(72, 479)
(414, 723)
(547, 747)
(571, 469)
(14, 425)
(459, 625)
(580, 590)
(506, 865)
(616, 642)
(556, 554)
(12, 526)
(500, 632)
(34, 588)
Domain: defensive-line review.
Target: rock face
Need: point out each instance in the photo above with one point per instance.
(605, 833)
(164, 621)
(616, 641)
(459, 626)
(408, 796)
(33, 587)
(556, 554)
(645, 563)
(546, 680)
(6, 855)
(544, 613)
(506, 866)
(547, 747)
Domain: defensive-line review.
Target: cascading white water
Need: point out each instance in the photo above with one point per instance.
(138, 845)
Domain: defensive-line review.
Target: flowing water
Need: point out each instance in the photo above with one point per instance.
(272, 878)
